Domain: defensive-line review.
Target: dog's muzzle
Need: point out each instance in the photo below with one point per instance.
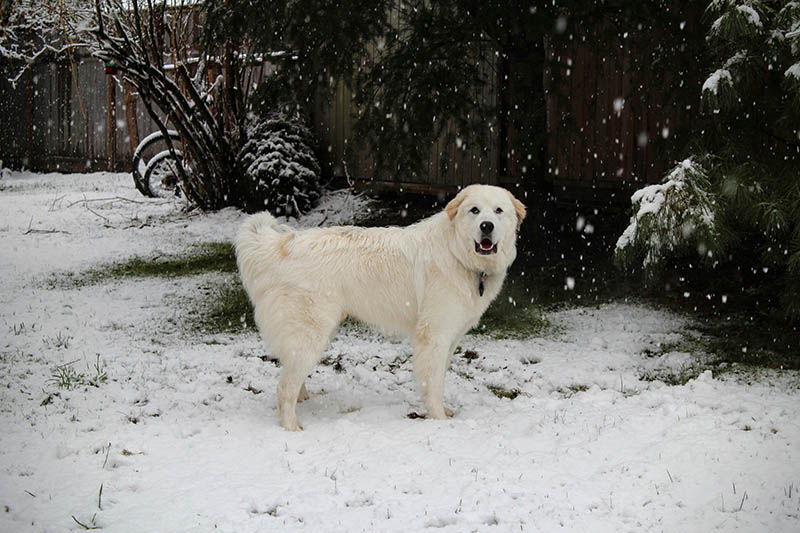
(486, 247)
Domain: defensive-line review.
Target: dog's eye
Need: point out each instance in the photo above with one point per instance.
(499, 210)
(474, 210)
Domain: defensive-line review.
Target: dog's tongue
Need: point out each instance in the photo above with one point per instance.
(487, 244)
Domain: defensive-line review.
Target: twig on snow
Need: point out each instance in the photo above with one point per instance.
(95, 213)
(31, 230)
(108, 199)
(45, 231)
(54, 202)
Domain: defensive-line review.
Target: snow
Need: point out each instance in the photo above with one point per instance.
(735, 59)
(793, 71)
(713, 81)
(177, 442)
(750, 14)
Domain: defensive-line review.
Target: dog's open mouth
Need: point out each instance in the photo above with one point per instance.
(486, 247)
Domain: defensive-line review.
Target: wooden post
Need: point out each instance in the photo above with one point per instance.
(112, 121)
(28, 158)
(130, 116)
(503, 130)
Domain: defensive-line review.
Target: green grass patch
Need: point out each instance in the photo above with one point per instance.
(689, 342)
(502, 392)
(201, 259)
(727, 346)
(469, 355)
(750, 343)
(513, 315)
(733, 343)
(571, 390)
(674, 377)
(223, 308)
(65, 376)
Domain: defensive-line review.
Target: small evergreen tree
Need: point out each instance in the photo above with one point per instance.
(740, 190)
(281, 172)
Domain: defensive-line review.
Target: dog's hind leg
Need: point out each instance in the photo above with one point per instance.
(288, 391)
(296, 368)
(300, 350)
(291, 386)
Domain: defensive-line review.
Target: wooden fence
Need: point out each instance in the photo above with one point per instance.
(57, 118)
(609, 126)
(602, 119)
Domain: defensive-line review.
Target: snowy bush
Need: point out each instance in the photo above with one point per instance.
(675, 216)
(281, 172)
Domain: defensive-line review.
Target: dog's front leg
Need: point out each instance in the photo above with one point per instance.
(431, 358)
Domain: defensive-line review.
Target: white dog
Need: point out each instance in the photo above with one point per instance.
(431, 282)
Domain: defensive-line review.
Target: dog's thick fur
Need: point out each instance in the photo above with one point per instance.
(431, 282)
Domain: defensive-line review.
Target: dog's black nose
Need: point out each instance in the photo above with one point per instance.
(486, 227)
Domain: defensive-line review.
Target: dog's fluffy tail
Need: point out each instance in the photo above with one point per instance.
(252, 243)
(260, 223)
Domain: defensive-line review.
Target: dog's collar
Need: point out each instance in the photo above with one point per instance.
(481, 277)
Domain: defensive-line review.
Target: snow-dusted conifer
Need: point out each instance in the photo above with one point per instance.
(675, 216)
(281, 169)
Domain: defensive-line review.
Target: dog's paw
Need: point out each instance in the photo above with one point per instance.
(437, 414)
(291, 425)
(441, 413)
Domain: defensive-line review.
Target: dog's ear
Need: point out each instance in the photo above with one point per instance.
(519, 207)
(452, 207)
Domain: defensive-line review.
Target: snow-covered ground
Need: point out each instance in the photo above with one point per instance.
(180, 438)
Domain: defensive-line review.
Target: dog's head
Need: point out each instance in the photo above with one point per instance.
(485, 220)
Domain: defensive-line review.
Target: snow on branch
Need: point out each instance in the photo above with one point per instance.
(36, 29)
(750, 14)
(675, 214)
(735, 19)
(721, 75)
